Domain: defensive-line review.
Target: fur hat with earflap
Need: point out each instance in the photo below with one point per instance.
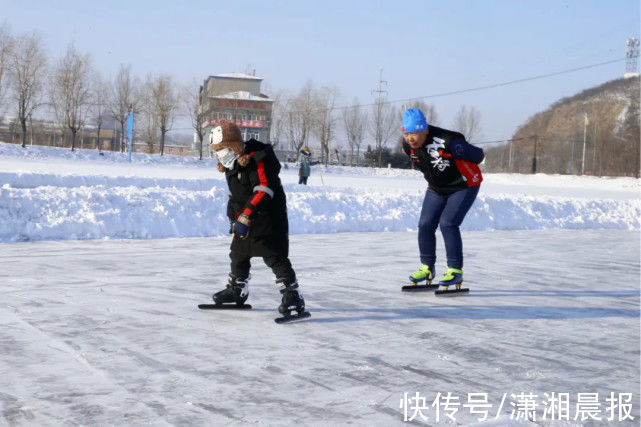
(227, 135)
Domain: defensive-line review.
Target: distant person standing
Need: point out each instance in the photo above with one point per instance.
(304, 165)
(449, 164)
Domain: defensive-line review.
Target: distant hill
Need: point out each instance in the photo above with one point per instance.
(557, 134)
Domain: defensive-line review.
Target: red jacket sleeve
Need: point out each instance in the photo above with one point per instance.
(263, 179)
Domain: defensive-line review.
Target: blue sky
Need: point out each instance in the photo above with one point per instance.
(423, 47)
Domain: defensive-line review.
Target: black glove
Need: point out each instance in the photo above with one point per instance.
(240, 227)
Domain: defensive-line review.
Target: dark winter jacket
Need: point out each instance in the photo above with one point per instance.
(447, 160)
(256, 191)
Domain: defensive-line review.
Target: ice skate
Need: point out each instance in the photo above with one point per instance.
(423, 274)
(452, 277)
(292, 301)
(235, 293)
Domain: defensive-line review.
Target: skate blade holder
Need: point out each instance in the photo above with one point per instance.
(293, 318)
(415, 287)
(224, 306)
(458, 289)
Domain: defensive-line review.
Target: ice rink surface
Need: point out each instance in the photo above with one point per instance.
(106, 332)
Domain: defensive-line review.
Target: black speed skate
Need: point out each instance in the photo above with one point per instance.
(234, 295)
(292, 301)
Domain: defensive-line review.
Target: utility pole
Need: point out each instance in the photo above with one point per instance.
(572, 159)
(585, 128)
(594, 145)
(509, 162)
(536, 141)
(379, 120)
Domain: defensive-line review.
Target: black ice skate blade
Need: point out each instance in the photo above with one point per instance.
(293, 317)
(418, 288)
(224, 307)
(452, 292)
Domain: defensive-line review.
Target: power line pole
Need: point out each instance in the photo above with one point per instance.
(378, 119)
(536, 141)
(585, 129)
(572, 159)
(594, 144)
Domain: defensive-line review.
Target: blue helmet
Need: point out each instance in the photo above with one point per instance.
(414, 121)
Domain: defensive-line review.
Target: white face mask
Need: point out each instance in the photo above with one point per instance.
(226, 157)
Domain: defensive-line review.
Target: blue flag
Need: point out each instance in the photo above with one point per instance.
(130, 130)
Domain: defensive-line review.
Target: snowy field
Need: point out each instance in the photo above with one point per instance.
(106, 331)
(54, 194)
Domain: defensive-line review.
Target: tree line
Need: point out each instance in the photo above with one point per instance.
(595, 132)
(313, 113)
(74, 93)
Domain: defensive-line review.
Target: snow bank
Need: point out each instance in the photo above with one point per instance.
(151, 208)
(183, 203)
(40, 153)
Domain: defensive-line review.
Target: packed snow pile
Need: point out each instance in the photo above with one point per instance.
(50, 193)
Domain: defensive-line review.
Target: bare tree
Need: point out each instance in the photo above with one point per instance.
(70, 91)
(148, 119)
(468, 122)
(6, 46)
(100, 95)
(28, 64)
(279, 117)
(383, 125)
(354, 121)
(165, 105)
(122, 97)
(300, 115)
(192, 102)
(430, 114)
(325, 123)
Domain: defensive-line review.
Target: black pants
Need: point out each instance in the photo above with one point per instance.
(302, 179)
(280, 265)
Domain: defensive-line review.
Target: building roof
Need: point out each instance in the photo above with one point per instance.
(244, 95)
(238, 76)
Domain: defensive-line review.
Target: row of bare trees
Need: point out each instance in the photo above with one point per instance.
(594, 132)
(313, 113)
(22, 73)
(73, 92)
(600, 151)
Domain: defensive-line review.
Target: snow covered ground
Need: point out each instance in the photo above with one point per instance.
(54, 194)
(106, 332)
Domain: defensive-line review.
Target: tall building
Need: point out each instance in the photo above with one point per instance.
(236, 97)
